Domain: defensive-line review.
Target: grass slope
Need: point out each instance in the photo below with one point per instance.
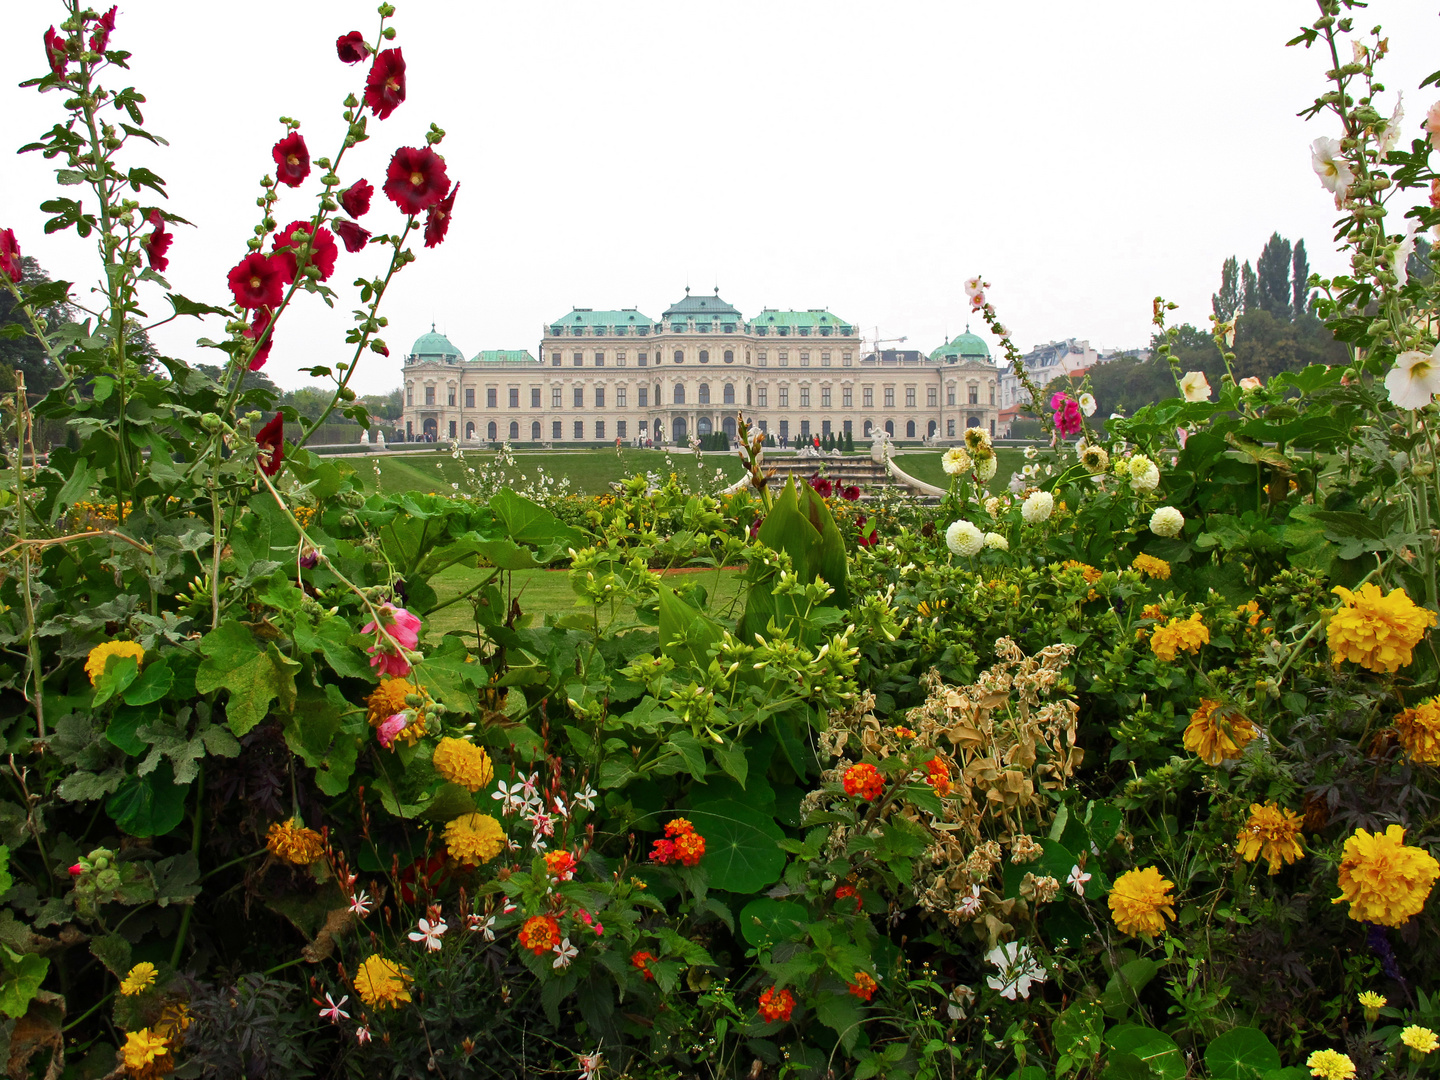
(926, 466)
(591, 472)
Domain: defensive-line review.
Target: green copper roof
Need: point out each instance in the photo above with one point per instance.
(701, 306)
(503, 356)
(433, 344)
(591, 317)
(813, 317)
(965, 346)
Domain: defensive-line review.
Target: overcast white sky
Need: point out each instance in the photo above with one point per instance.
(859, 156)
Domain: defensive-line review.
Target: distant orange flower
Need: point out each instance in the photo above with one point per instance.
(939, 777)
(540, 934)
(776, 1005)
(864, 986)
(642, 960)
(865, 781)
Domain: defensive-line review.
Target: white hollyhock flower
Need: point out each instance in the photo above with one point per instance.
(1167, 521)
(964, 538)
(974, 286)
(1016, 484)
(955, 461)
(995, 542)
(1087, 404)
(1037, 507)
(1195, 387)
(1391, 135)
(1251, 383)
(1332, 168)
(985, 471)
(1414, 379)
(1018, 969)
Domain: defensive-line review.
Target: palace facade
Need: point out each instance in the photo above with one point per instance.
(606, 375)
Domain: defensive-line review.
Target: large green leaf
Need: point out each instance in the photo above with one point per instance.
(1125, 985)
(23, 975)
(149, 805)
(742, 846)
(1156, 1049)
(686, 633)
(842, 1014)
(528, 523)
(1242, 1053)
(764, 921)
(254, 674)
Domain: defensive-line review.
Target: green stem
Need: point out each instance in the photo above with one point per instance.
(195, 832)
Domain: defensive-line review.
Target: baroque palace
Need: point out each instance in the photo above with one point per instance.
(607, 375)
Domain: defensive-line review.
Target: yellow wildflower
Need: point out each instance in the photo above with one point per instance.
(1384, 881)
(1271, 833)
(1371, 1003)
(474, 838)
(1249, 611)
(140, 978)
(1140, 900)
(381, 982)
(1151, 566)
(1215, 734)
(100, 655)
(1188, 634)
(1419, 1039)
(1376, 631)
(1330, 1065)
(1418, 730)
(462, 762)
(1088, 572)
(291, 841)
(145, 1054)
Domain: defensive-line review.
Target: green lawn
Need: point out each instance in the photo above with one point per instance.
(590, 471)
(926, 466)
(542, 591)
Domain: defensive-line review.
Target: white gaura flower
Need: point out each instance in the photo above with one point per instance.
(585, 797)
(1077, 880)
(995, 542)
(1087, 404)
(1167, 521)
(564, 953)
(484, 927)
(985, 471)
(1406, 248)
(955, 461)
(970, 905)
(360, 904)
(1414, 379)
(960, 999)
(964, 538)
(1018, 969)
(1332, 169)
(1037, 507)
(1391, 135)
(1195, 387)
(430, 933)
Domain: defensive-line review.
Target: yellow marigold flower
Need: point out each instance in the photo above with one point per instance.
(291, 841)
(1330, 1065)
(100, 654)
(1418, 730)
(1152, 611)
(144, 1053)
(1151, 566)
(1376, 631)
(474, 838)
(1372, 1003)
(1140, 900)
(1188, 634)
(140, 979)
(462, 762)
(1216, 734)
(1250, 612)
(387, 699)
(1419, 1039)
(382, 983)
(1384, 881)
(1088, 572)
(1271, 833)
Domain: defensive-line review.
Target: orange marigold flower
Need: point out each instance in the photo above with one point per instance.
(864, 986)
(1216, 734)
(1271, 833)
(1088, 572)
(1250, 612)
(387, 699)
(1151, 566)
(1188, 634)
(689, 847)
(864, 781)
(776, 1005)
(1375, 630)
(939, 777)
(291, 841)
(1140, 900)
(642, 960)
(1418, 731)
(1152, 611)
(1384, 881)
(540, 934)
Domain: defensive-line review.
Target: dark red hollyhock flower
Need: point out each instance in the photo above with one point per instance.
(755, 527)
(258, 326)
(351, 47)
(259, 281)
(821, 486)
(323, 251)
(385, 85)
(850, 494)
(437, 219)
(356, 198)
(271, 438)
(9, 255)
(55, 52)
(104, 27)
(353, 236)
(416, 179)
(292, 160)
(157, 243)
(863, 540)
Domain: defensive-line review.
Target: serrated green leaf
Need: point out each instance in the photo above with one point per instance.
(254, 675)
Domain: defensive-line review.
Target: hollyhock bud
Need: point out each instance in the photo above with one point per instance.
(415, 179)
(353, 236)
(55, 52)
(256, 329)
(271, 439)
(158, 242)
(76, 870)
(9, 255)
(385, 85)
(259, 281)
(356, 198)
(292, 159)
(387, 731)
(437, 219)
(351, 47)
(322, 255)
(104, 27)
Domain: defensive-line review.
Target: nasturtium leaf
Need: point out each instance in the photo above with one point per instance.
(120, 672)
(1125, 985)
(1156, 1049)
(1125, 1066)
(124, 725)
(152, 685)
(765, 922)
(1242, 1053)
(148, 805)
(742, 846)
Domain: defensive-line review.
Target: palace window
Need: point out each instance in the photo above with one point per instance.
(599, 429)
(429, 395)
(846, 398)
(492, 432)
(845, 359)
(514, 430)
(763, 357)
(804, 397)
(729, 393)
(762, 394)
(555, 397)
(554, 359)
(847, 427)
(950, 428)
(932, 396)
(974, 395)
(992, 393)
(620, 428)
(784, 397)
(599, 359)
(620, 397)
(599, 397)
(679, 393)
(825, 397)
(579, 397)
(451, 396)
(867, 398)
(469, 397)
(642, 393)
(890, 399)
(824, 427)
(729, 356)
(490, 393)
(644, 359)
(950, 394)
(704, 356)
(784, 358)
(679, 356)
(452, 428)
(579, 359)
(824, 359)
(579, 429)
(805, 429)
(514, 397)
(804, 359)
(909, 397)
(535, 431)
(555, 430)
(535, 397)
(704, 393)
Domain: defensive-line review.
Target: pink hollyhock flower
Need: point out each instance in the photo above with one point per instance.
(352, 235)
(271, 438)
(1067, 414)
(385, 85)
(397, 624)
(9, 255)
(389, 663)
(356, 198)
(104, 27)
(1432, 123)
(55, 52)
(415, 179)
(259, 281)
(392, 727)
(292, 159)
(437, 219)
(351, 47)
(258, 326)
(157, 243)
(323, 251)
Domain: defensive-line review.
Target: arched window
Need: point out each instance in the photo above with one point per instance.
(727, 425)
(890, 428)
(729, 356)
(705, 359)
(729, 393)
(490, 434)
(679, 393)
(867, 429)
(679, 356)
(910, 429)
(535, 431)
(703, 426)
(705, 395)
(747, 394)
(931, 431)
(657, 394)
(514, 429)
(470, 430)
